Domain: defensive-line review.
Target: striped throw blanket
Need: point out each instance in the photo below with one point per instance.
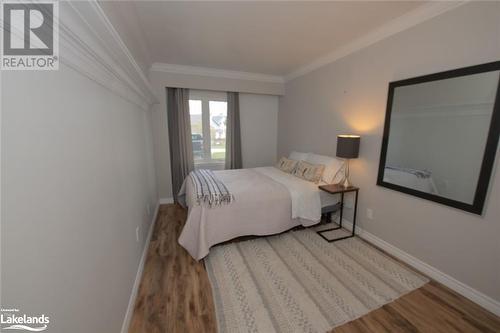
(209, 188)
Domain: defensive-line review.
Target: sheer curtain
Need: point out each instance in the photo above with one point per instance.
(233, 133)
(179, 132)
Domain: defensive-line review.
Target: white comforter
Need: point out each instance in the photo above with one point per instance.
(266, 201)
(306, 202)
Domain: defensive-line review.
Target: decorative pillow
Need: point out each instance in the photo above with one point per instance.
(333, 173)
(286, 165)
(295, 155)
(308, 171)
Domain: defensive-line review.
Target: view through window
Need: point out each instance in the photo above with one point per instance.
(208, 114)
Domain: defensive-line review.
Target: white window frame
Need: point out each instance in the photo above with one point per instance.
(206, 96)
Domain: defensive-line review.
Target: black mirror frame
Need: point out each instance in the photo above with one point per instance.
(490, 149)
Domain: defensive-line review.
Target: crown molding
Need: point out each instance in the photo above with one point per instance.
(401, 23)
(215, 72)
(90, 45)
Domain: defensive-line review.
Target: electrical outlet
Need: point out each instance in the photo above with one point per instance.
(137, 234)
(369, 213)
(148, 209)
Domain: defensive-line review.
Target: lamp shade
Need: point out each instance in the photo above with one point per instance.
(348, 146)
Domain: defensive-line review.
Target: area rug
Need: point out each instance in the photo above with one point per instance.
(298, 282)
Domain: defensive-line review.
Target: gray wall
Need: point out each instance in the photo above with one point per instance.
(160, 80)
(123, 17)
(450, 146)
(77, 176)
(349, 96)
(259, 129)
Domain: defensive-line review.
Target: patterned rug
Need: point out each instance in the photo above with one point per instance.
(298, 282)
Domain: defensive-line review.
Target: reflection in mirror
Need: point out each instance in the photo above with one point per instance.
(438, 133)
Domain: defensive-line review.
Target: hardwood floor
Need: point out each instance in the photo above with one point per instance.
(175, 296)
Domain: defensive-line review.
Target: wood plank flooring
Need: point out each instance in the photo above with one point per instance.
(175, 296)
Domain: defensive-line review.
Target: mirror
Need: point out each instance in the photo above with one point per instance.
(441, 135)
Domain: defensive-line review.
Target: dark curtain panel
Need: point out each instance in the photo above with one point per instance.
(233, 133)
(179, 132)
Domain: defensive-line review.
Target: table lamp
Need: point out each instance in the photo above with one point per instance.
(347, 148)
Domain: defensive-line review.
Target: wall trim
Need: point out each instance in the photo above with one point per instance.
(138, 276)
(468, 292)
(90, 45)
(164, 201)
(215, 72)
(401, 23)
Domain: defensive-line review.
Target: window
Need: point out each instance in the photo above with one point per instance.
(208, 113)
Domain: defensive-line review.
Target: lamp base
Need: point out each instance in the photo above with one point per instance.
(346, 183)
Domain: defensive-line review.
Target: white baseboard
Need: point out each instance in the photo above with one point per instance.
(474, 295)
(138, 276)
(164, 201)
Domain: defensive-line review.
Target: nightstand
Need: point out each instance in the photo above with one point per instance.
(340, 189)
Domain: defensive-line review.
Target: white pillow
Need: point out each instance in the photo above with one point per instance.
(295, 155)
(332, 165)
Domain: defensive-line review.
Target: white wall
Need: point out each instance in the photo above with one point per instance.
(258, 121)
(77, 175)
(350, 95)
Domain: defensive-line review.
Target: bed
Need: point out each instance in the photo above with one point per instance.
(266, 201)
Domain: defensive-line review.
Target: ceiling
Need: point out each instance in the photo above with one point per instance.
(273, 38)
